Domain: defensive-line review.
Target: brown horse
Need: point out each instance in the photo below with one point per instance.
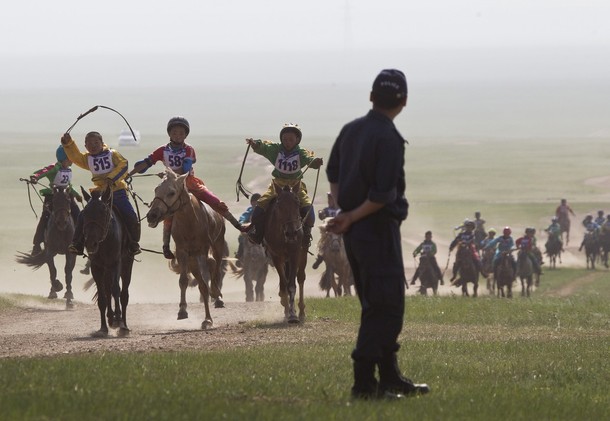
(505, 274)
(106, 244)
(332, 250)
(553, 248)
(284, 243)
(428, 277)
(468, 271)
(255, 267)
(487, 257)
(57, 238)
(198, 233)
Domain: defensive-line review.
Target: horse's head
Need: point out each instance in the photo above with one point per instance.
(168, 197)
(61, 207)
(97, 217)
(287, 212)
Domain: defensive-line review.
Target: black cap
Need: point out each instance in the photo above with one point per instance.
(391, 83)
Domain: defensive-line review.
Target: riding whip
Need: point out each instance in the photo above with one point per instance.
(107, 108)
(239, 187)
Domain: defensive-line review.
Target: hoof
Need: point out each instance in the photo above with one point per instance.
(69, 304)
(56, 285)
(183, 315)
(219, 303)
(206, 324)
(52, 294)
(68, 295)
(100, 334)
(293, 320)
(123, 332)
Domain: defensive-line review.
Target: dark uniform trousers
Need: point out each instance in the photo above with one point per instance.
(374, 251)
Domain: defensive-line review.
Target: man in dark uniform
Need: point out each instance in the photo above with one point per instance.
(366, 175)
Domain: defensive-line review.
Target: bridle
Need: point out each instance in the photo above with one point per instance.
(170, 211)
(105, 227)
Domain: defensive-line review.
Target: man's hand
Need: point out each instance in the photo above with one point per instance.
(340, 223)
(33, 180)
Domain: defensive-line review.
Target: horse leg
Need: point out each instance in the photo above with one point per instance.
(464, 288)
(56, 286)
(205, 293)
(292, 292)
(249, 288)
(68, 268)
(117, 315)
(475, 288)
(126, 269)
(102, 302)
(260, 283)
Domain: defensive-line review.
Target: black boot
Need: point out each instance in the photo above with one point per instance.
(391, 380)
(133, 232)
(78, 242)
(318, 261)
(256, 232)
(307, 236)
(40, 229)
(415, 276)
(365, 384)
(167, 232)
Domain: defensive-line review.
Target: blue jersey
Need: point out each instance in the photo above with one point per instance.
(501, 244)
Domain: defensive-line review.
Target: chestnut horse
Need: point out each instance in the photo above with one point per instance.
(284, 243)
(198, 232)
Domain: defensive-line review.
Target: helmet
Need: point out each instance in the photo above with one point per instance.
(507, 231)
(254, 197)
(491, 230)
(588, 217)
(179, 121)
(294, 128)
(61, 154)
(469, 224)
(477, 213)
(600, 212)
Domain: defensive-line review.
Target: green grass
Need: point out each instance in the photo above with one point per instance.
(543, 357)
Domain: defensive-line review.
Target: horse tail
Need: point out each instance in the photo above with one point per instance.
(238, 272)
(35, 261)
(326, 280)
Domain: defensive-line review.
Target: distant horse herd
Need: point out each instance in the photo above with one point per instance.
(201, 255)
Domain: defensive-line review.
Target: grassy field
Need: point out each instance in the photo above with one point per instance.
(541, 358)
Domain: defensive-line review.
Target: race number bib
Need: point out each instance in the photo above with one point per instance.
(174, 159)
(63, 178)
(101, 164)
(288, 164)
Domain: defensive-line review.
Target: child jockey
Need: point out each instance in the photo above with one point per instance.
(288, 159)
(427, 248)
(180, 157)
(466, 238)
(109, 170)
(59, 175)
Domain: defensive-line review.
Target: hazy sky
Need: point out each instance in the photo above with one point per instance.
(144, 26)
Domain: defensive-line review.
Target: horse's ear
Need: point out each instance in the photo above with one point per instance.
(85, 193)
(181, 178)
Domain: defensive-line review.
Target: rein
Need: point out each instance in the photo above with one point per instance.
(30, 184)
